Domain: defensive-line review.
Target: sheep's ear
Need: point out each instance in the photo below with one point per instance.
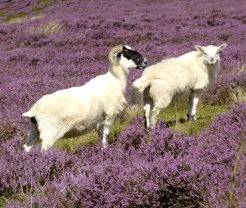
(199, 48)
(116, 56)
(222, 47)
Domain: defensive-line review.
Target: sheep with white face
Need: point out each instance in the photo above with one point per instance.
(176, 79)
(78, 110)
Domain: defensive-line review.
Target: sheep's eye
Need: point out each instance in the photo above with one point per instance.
(205, 54)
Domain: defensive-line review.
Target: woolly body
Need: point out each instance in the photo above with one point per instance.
(78, 110)
(89, 105)
(176, 79)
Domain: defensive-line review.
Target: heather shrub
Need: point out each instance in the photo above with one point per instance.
(164, 169)
(24, 173)
(133, 134)
(218, 146)
(225, 85)
(141, 168)
(219, 93)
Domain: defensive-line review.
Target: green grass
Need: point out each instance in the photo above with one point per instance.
(15, 16)
(174, 116)
(44, 1)
(36, 9)
(4, 11)
(70, 143)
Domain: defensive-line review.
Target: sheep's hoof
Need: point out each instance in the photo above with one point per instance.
(191, 117)
(26, 148)
(104, 146)
(188, 117)
(146, 125)
(194, 118)
(151, 127)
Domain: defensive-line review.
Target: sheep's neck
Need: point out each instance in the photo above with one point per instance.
(121, 74)
(213, 69)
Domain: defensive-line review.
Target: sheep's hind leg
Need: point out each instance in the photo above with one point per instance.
(155, 112)
(33, 135)
(148, 105)
(146, 115)
(193, 101)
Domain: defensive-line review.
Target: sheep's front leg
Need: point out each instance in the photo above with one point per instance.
(100, 132)
(105, 131)
(193, 101)
(190, 106)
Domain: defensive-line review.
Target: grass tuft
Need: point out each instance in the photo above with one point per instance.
(53, 27)
(238, 95)
(37, 17)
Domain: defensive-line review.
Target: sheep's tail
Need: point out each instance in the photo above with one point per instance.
(29, 114)
(136, 93)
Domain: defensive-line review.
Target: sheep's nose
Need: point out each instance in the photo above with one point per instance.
(145, 62)
(212, 61)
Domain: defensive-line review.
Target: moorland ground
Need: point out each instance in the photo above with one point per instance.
(48, 45)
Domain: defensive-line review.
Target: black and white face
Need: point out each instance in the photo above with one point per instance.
(132, 59)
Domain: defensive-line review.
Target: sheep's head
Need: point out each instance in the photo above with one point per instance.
(211, 53)
(126, 56)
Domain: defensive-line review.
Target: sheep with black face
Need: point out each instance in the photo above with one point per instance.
(78, 110)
